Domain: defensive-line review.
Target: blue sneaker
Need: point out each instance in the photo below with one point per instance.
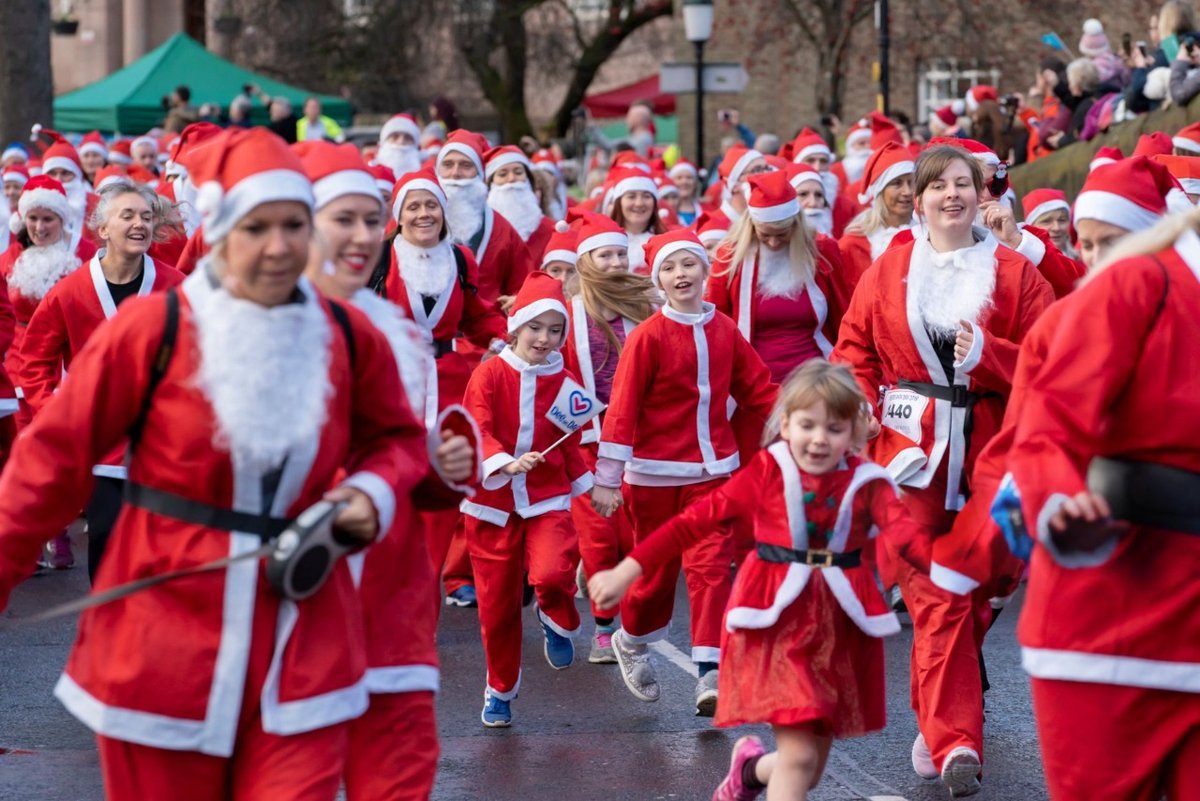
(463, 597)
(559, 650)
(497, 714)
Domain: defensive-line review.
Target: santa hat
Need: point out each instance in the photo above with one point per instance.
(142, 176)
(1043, 201)
(1094, 40)
(809, 143)
(34, 165)
(664, 186)
(1154, 143)
(890, 162)
(421, 179)
(1184, 169)
(684, 166)
(597, 231)
(190, 138)
(800, 174)
(562, 244)
(335, 171)
(239, 170)
(385, 179)
(878, 128)
(663, 246)
(1132, 194)
(776, 162)
(93, 143)
(112, 174)
(62, 156)
(17, 173)
(772, 199)
(629, 159)
(400, 123)
(737, 159)
(1187, 139)
(144, 140)
(42, 192)
(982, 153)
(1104, 156)
(859, 131)
(118, 152)
(500, 157)
(544, 159)
(540, 293)
(979, 94)
(466, 143)
(946, 116)
(628, 179)
(711, 227)
(15, 150)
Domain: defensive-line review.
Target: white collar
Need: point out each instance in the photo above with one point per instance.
(709, 310)
(552, 365)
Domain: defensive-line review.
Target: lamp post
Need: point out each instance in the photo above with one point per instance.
(697, 26)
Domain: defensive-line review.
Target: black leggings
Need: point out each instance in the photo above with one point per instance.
(102, 512)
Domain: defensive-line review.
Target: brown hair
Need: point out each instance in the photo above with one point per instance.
(818, 381)
(933, 162)
(656, 224)
(626, 294)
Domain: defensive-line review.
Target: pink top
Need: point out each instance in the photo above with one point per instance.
(783, 333)
(604, 358)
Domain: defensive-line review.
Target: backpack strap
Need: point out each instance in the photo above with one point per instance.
(162, 359)
(343, 320)
(460, 261)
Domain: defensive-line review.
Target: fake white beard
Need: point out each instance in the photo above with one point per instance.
(77, 198)
(952, 287)
(854, 163)
(429, 271)
(466, 199)
(776, 277)
(401, 159)
(832, 186)
(266, 373)
(408, 346)
(517, 203)
(820, 220)
(38, 269)
(185, 201)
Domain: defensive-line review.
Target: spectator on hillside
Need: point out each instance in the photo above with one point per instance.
(1174, 21)
(1095, 46)
(1083, 89)
(639, 121)
(315, 126)
(180, 111)
(1185, 75)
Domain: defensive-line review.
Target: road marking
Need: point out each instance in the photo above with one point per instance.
(676, 657)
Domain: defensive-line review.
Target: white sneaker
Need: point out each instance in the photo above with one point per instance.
(706, 695)
(960, 772)
(922, 760)
(637, 670)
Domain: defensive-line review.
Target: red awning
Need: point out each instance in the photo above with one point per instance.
(615, 102)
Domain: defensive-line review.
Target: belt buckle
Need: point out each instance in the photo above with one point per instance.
(818, 557)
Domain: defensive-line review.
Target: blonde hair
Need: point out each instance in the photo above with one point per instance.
(871, 219)
(819, 381)
(743, 238)
(1176, 17)
(1160, 236)
(624, 293)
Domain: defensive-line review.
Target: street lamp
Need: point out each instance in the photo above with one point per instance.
(697, 26)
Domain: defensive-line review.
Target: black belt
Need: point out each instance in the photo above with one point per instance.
(813, 557)
(1147, 493)
(958, 395)
(441, 347)
(168, 504)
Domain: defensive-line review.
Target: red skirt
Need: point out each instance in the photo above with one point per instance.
(814, 667)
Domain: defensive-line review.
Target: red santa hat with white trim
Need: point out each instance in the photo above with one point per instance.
(466, 143)
(93, 142)
(1106, 155)
(540, 293)
(16, 173)
(800, 174)
(890, 162)
(421, 179)
(711, 228)
(664, 186)
(683, 166)
(860, 130)
(544, 159)
(385, 179)
(62, 156)
(400, 123)
(629, 159)
(946, 116)
(628, 179)
(1184, 169)
(737, 159)
(663, 246)
(982, 153)
(597, 231)
(335, 171)
(1133, 194)
(119, 153)
(979, 94)
(1040, 202)
(191, 137)
(112, 174)
(771, 200)
(1153, 144)
(1188, 139)
(240, 169)
(41, 192)
(499, 157)
(562, 244)
(145, 140)
(809, 143)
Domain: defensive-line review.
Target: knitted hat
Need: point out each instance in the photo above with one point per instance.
(421, 179)
(890, 162)
(663, 246)
(1094, 40)
(41, 192)
(400, 123)
(499, 157)
(239, 170)
(466, 143)
(1043, 201)
(771, 199)
(540, 293)
(1132, 194)
(335, 171)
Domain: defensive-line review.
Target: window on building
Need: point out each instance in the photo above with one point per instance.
(946, 80)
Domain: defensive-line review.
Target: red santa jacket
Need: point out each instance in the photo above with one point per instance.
(859, 251)
(193, 251)
(884, 340)
(167, 668)
(8, 323)
(779, 500)
(509, 399)
(577, 356)
(537, 241)
(65, 320)
(668, 415)
(1120, 380)
(457, 310)
(503, 258)
(826, 290)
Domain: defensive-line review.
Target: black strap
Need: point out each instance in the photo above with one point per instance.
(958, 395)
(177, 507)
(162, 359)
(780, 555)
(1148, 493)
(460, 262)
(441, 347)
(343, 320)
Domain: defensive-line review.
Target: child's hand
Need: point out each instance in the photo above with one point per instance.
(606, 588)
(606, 500)
(523, 464)
(455, 457)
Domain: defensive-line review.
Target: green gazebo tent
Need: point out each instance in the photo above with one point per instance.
(129, 100)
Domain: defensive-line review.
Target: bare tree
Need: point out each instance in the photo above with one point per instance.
(827, 25)
(26, 88)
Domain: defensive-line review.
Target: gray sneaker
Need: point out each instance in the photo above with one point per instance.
(960, 772)
(602, 647)
(636, 668)
(706, 695)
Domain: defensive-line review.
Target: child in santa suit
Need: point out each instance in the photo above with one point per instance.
(667, 429)
(607, 302)
(521, 518)
(801, 648)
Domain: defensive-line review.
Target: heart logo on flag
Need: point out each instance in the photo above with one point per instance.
(579, 404)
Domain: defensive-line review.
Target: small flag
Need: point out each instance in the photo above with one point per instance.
(1052, 39)
(574, 407)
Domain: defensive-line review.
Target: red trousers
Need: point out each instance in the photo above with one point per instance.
(947, 695)
(547, 547)
(603, 541)
(1106, 742)
(448, 547)
(647, 607)
(393, 749)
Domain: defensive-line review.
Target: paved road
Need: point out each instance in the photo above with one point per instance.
(578, 733)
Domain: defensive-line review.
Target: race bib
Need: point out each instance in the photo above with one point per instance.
(902, 412)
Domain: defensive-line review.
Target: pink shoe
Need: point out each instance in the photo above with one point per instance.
(732, 788)
(57, 553)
